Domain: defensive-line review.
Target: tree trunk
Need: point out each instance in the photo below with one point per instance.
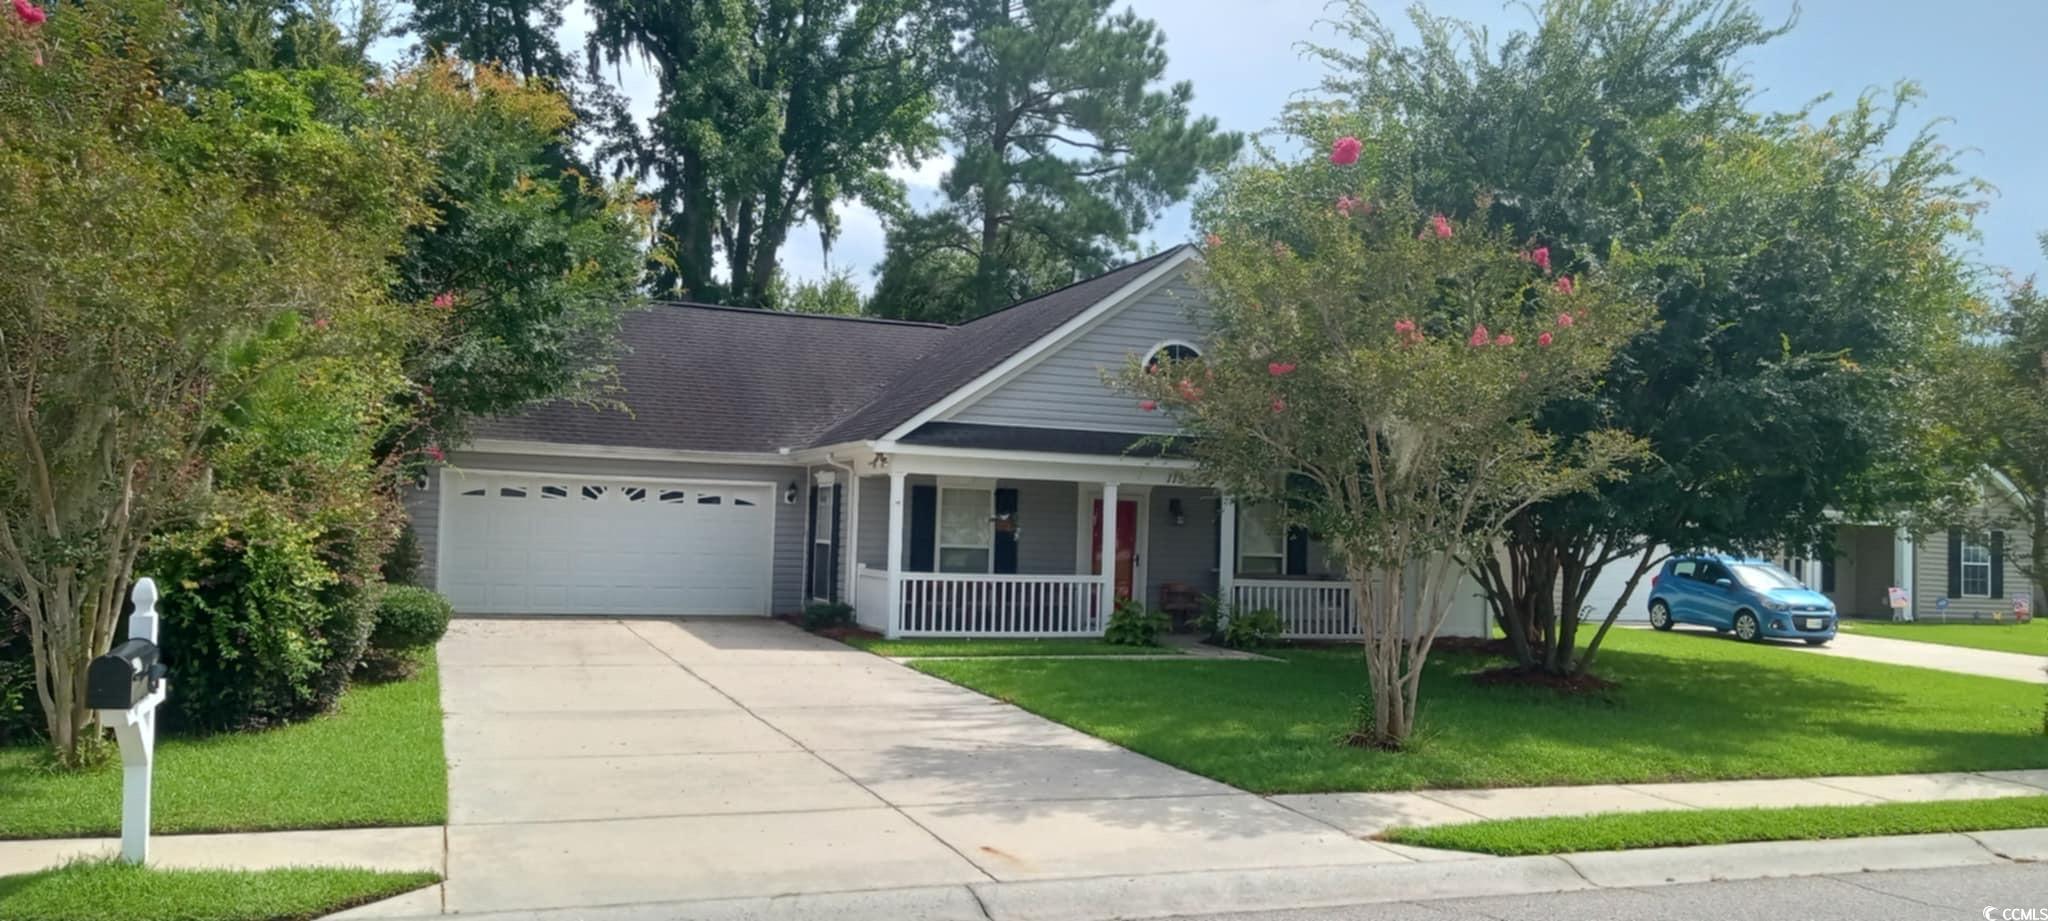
(693, 230)
(1381, 619)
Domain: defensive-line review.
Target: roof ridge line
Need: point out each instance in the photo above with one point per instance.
(802, 315)
(1075, 283)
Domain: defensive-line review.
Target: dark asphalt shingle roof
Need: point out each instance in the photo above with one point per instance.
(698, 377)
(702, 378)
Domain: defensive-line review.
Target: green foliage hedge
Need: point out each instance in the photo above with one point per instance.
(1133, 624)
(409, 618)
(258, 628)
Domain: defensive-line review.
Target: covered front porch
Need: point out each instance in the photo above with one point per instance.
(951, 544)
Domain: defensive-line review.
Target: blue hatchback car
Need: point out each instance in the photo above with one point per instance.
(1752, 598)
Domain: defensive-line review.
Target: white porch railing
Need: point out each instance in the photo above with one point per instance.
(1308, 610)
(871, 599)
(972, 604)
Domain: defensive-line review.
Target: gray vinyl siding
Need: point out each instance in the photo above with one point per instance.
(1046, 525)
(423, 511)
(1930, 569)
(1186, 552)
(1065, 389)
(791, 518)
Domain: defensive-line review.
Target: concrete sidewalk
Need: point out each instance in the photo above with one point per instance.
(1368, 814)
(1103, 898)
(1987, 663)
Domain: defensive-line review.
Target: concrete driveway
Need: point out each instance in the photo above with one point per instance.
(602, 762)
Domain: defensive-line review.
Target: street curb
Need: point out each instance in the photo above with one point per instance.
(1227, 891)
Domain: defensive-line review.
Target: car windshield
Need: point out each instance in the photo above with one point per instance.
(1763, 577)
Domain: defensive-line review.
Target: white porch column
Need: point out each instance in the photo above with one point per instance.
(1902, 572)
(895, 562)
(1226, 555)
(1108, 550)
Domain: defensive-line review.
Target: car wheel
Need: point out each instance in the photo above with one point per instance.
(1747, 628)
(1816, 641)
(1660, 615)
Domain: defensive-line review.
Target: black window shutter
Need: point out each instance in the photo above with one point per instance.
(1955, 563)
(1998, 564)
(924, 528)
(1006, 540)
(1297, 551)
(838, 509)
(1827, 576)
(811, 546)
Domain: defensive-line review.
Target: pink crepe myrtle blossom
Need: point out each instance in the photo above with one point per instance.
(320, 323)
(30, 14)
(1346, 204)
(1544, 340)
(1504, 339)
(1440, 226)
(1211, 240)
(1188, 391)
(1279, 405)
(1564, 284)
(435, 452)
(1404, 325)
(1279, 368)
(1149, 406)
(1345, 151)
(1565, 319)
(444, 300)
(1480, 336)
(1541, 257)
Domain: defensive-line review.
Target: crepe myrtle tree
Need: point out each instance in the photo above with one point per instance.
(1373, 370)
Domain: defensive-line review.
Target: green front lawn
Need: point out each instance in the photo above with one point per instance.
(2029, 638)
(1691, 706)
(110, 891)
(1615, 831)
(979, 648)
(375, 761)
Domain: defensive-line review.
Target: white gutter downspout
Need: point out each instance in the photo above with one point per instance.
(851, 505)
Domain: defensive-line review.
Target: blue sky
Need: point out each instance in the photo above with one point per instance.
(1980, 63)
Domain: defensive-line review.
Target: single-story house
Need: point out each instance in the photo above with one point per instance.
(1969, 571)
(944, 480)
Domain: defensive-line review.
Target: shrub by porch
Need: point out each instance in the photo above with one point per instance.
(1687, 708)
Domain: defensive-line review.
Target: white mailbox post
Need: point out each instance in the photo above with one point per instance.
(125, 686)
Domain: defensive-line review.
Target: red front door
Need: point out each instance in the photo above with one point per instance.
(1126, 544)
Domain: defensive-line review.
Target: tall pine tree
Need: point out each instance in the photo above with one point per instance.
(772, 113)
(1066, 152)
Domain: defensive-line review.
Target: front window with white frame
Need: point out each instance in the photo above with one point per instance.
(1976, 568)
(1261, 547)
(966, 539)
(821, 542)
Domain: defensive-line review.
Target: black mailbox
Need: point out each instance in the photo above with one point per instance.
(125, 675)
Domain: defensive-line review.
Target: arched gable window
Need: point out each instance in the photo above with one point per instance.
(1171, 351)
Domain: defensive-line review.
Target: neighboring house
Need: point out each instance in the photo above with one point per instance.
(943, 480)
(1967, 572)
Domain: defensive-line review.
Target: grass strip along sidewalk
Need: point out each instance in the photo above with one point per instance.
(111, 891)
(375, 761)
(1616, 831)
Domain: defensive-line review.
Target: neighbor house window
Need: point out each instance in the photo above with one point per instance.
(1976, 568)
(966, 539)
(1261, 547)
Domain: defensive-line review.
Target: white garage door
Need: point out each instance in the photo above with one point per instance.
(556, 544)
